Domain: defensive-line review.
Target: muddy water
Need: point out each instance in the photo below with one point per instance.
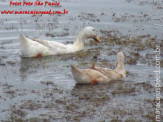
(42, 89)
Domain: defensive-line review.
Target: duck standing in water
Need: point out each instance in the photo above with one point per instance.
(95, 75)
(37, 48)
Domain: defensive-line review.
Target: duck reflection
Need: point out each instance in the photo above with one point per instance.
(49, 64)
(33, 65)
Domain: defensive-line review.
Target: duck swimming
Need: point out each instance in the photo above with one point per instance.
(37, 48)
(95, 75)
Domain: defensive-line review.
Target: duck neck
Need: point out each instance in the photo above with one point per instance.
(120, 65)
(79, 43)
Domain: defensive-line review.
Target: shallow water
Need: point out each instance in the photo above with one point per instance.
(43, 88)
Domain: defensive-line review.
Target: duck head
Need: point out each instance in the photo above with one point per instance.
(89, 32)
(120, 57)
(86, 33)
(120, 66)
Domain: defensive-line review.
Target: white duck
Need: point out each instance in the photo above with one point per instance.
(37, 48)
(95, 75)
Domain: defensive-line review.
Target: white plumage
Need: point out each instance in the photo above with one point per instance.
(36, 48)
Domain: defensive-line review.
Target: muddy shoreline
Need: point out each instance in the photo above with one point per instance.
(42, 89)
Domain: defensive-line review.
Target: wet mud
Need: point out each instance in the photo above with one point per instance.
(42, 89)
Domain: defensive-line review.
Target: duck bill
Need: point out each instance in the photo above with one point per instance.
(97, 39)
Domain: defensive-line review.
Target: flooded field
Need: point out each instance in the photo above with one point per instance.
(42, 89)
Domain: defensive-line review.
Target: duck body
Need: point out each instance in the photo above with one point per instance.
(37, 48)
(88, 76)
(95, 75)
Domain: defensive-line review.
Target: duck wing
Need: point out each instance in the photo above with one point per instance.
(106, 72)
(114, 75)
(57, 47)
(42, 42)
(51, 44)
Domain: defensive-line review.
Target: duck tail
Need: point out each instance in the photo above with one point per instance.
(22, 38)
(75, 72)
(74, 69)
